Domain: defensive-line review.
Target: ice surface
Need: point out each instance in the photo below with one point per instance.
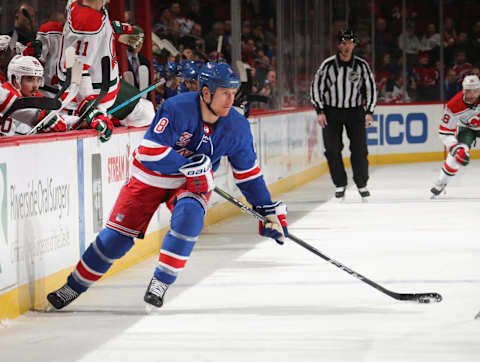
(244, 298)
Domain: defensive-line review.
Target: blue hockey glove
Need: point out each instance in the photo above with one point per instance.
(276, 225)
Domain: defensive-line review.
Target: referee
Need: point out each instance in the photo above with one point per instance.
(344, 95)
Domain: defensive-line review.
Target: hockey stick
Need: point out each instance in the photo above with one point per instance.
(31, 102)
(130, 100)
(105, 86)
(72, 82)
(416, 297)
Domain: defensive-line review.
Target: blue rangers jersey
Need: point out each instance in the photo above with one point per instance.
(178, 132)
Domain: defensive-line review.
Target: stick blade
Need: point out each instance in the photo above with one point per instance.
(423, 298)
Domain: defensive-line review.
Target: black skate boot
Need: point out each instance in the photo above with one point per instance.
(62, 297)
(340, 192)
(155, 292)
(363, 191)
(437, 189)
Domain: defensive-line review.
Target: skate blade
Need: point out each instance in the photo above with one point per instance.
(365, 200)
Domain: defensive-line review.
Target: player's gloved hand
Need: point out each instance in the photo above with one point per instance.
(276, 225)
(95, 118)
(33, 49)
(460, 153)
(55, 124)
(129, 34)
(199, 174)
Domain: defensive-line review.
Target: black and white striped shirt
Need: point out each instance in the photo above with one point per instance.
(343, 85)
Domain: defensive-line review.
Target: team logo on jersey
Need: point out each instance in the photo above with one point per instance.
(184, 152)
(161, 125)
(207, 129)
(353, 76)
(184, 139)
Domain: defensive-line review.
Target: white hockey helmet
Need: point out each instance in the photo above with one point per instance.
(471, 82)
(5, 43)
(21, 65)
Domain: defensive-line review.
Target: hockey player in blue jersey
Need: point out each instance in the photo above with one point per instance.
(174, 164)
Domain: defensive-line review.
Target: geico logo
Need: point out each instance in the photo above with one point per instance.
(397, 129)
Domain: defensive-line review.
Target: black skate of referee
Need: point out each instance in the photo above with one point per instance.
(344, 95)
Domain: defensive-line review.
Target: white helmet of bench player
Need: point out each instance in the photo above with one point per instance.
(21, 65)
(471, 82)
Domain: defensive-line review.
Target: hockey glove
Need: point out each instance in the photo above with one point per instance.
(460, 153)
(199, 174)
(130, 35)
(33, 49)
(96, 119)
(55, 124)
(276, 225)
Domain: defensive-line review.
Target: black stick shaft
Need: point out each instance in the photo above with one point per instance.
(398, 296)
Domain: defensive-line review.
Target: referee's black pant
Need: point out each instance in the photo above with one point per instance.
(353, 119)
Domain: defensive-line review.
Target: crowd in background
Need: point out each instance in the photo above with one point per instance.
(422, 44)
(193, 27)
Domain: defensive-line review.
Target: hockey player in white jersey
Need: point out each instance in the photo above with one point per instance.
(25, 76)
(459, 127)
(47, 49)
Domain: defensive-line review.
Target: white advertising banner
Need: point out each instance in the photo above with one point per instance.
(290, 143)
(38, 211)
(405, 129)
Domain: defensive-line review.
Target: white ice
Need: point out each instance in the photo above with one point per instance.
(244, 298)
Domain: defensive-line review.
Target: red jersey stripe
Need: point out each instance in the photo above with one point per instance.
(84, 273)
(245, 175)
(171, 261)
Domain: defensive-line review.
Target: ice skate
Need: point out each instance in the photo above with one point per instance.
(155, 292)
(364, 193)
(437, 190)
(340, 193)
(62, 297)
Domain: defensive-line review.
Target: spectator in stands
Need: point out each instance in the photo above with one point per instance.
(26, 27)
(409, 43)
(211, 39)
(383, 76)
(269, 89)
(460, 65)
(450, 85)
(246, 30)
(164, 23)
(383, 38)
(430, 42)
(474, 42)
(449, 40)
(395, 91)
(426, 77)
(198, 15)
(185, 25)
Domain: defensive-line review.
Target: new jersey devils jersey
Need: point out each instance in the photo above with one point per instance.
(178, 132)
(457, 113)
(50, 34)
(92, 36)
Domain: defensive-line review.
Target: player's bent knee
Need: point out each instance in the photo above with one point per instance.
(113, 244)
(187, 217)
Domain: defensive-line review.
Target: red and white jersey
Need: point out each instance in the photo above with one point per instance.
(92, 36)
(457, 113)
(12, 126)
(50, 34)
